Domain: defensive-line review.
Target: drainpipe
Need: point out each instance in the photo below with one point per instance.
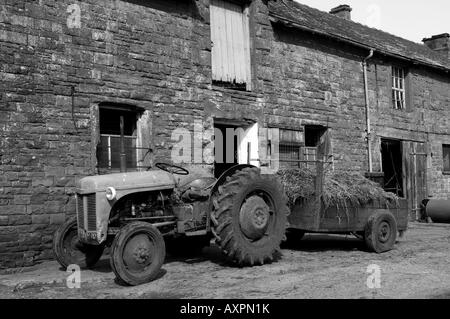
(366, 96)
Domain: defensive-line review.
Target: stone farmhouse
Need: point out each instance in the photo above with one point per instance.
(78, 79)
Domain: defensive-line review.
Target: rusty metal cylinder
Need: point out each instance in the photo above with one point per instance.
(439, 210)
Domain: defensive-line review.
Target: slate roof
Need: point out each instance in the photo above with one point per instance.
(313, 20)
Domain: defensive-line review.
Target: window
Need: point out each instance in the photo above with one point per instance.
(299, 149)
(446, 157)
(313, 137)
(313, 134)
(117, 133)
(230, 45)
(290, 149)
(399, 88)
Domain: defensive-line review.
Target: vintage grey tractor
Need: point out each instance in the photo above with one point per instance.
(138, 214)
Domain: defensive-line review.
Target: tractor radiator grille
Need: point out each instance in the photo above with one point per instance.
(91, 213)
(87, 204)
(80, 211)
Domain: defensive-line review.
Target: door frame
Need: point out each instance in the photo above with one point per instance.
(411, 150)
(247, 139)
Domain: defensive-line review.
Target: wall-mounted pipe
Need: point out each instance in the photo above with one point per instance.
(366, 96)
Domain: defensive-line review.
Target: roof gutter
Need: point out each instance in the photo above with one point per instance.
(289, 23)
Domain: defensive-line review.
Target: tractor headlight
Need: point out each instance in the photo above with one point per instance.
(111, 193)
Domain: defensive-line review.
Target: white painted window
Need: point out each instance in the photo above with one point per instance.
(230, 44)
(399, 88)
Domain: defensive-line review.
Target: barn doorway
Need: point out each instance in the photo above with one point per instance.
(225, 148)
(235, 142)
(392, 164)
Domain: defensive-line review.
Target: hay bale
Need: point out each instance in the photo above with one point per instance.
(340, 189)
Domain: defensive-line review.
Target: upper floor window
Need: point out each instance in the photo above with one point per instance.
(399, 88)
(118, 139)
(230, 45)
(446, 157)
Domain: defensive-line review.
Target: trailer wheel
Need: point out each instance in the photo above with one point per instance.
(137, 253)
(249, 217)
(381, 232)
(69, 251)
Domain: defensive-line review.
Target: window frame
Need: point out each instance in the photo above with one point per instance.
(290, 162)
(135, 136)
(291, 140)
(399, 87)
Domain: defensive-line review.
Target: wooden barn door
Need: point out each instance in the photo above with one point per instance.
(415, 175)
(230, 56)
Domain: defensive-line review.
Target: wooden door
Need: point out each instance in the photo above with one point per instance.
(415, 175)
(230, 56)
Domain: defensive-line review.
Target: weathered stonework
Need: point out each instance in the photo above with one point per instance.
(156, 55)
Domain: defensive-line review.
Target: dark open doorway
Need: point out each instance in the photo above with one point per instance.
(392, 163)
(225, 148)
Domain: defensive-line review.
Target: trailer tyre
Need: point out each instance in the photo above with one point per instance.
(249, 217)
(137, 253)
(69, 251)
(381, 232)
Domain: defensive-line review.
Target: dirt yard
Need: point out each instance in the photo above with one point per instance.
(317, 267)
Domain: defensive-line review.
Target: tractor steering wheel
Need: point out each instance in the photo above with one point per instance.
(173, 169)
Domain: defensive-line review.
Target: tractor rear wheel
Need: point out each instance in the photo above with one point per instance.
(249, 217)
(137, 253)
(69, 251)
(381, 232)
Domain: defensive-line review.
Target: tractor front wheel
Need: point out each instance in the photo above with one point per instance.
(69, 251)
(249, 217)
(137, 253)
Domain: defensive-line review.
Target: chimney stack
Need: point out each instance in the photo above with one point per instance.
(439, 43)
(343, 11)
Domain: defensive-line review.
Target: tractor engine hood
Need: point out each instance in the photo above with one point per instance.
(125, 182)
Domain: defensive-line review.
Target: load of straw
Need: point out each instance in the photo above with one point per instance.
(340, 189)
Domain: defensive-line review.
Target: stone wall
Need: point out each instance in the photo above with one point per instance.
(150, 54)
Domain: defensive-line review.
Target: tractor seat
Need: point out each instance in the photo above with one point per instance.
(196, 189)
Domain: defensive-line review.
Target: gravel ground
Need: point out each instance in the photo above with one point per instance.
(320, 266)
